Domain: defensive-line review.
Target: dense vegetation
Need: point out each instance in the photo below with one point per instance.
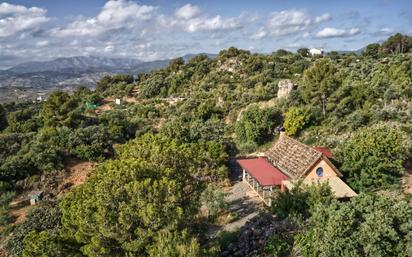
(160, 153)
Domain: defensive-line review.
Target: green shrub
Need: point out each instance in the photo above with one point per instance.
(296, 119)
(257, 125)
(278, 246)
(367, 225)
(300, 199)
(373, 157)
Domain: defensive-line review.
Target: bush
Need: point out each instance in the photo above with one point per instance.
(45, 217)
(296, 119)
(278, 246)
(373, 157)
(213, 199)
(300, 199)
(368, 225)
(256, 124)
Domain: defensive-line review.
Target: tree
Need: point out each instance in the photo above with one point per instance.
(301, 199)
(153, 187)
(154, 86)
(90, 143)
(256, 124)
(213, 200)
(45, 217)
(3, 118)
(319, 83)
(304, 52)
(397, 43)
(373, 157)
(174, 244)
(46, 244)
(107, 81)
(23, 121)
(368, 225)
(59, 110)
(372, 50)
(296, 118)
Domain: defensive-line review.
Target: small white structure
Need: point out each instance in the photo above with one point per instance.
(35, 197)
(118, 101)
(315, 51)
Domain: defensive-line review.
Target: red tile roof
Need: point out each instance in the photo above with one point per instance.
(263, 171)
(325, 151)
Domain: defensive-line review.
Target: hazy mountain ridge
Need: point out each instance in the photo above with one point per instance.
(71, 71)
(76, 62)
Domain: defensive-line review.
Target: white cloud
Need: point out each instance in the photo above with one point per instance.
(259, 34)
(293, 21)
(42, 43)
(187, 11)
(191, 19)
(15, 19)
(114, 15)
(334, 32)
(210, 24)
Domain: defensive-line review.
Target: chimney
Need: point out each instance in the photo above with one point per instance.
(280, 130)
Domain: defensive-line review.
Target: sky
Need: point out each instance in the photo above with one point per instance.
(37, 30)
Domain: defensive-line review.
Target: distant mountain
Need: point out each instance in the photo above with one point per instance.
(69, 72)
(187, 57)
(75, 63)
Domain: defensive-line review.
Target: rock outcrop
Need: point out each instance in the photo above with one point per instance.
(285, 86)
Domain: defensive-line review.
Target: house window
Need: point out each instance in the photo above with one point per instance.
(319, 172)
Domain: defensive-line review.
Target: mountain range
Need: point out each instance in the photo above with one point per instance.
(74, 71)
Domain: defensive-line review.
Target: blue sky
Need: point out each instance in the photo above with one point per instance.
(46, 29)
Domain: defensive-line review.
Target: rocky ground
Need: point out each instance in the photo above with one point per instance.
(254, 234)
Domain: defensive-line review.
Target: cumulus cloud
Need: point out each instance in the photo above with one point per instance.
(191, 19)
(288, 22)
(334, 32)
(292, 21)
(15, 19)
(187, 11)
(114, 15)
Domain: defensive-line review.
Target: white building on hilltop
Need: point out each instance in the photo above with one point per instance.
(315, 51)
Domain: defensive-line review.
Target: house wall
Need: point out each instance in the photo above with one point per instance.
(327, 170)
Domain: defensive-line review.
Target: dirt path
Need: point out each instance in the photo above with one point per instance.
(407, 182)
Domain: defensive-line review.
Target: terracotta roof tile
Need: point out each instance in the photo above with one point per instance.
(292, 157)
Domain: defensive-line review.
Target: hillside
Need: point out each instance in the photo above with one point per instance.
(166, 151)
(35, 78)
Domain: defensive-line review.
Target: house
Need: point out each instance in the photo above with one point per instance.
(315, 51)
(288, 161)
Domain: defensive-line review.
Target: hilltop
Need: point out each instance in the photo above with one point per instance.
(159, 149)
